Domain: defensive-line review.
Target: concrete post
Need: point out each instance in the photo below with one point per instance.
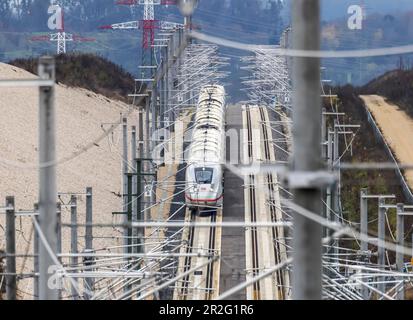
(59, 228)
(336, 188)
(151, 106)
(330, 165)
(400, 244)
(11, 279)
(125, 162)
(167, 85)
(130, 248)
(179, 69)
(163, 105)
(59, 242)
(140, 232)
(141, 138)
(148, 136)
(381, 238)
(364, 231)
(171, 79)
(134, 189)
(89, 219)
(323, 134)
(36, 255)
(155, 107)
(363, 218)
(47, 179)
(129, 213)
(73, 242)
(89, 282)
(307, 268)
(326, 212)
(336, 155)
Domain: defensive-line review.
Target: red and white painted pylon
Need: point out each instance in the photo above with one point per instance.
(148, 26)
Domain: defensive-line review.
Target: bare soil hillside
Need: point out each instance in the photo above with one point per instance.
(80, 115)
(396, 86)
(396, 126)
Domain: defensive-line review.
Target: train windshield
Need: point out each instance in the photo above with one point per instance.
(204, 175)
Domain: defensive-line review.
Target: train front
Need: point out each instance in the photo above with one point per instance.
(204, 186)
(206, 153)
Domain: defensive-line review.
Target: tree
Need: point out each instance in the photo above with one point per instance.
(5, 14)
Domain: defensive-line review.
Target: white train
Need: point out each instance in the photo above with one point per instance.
(204, 174)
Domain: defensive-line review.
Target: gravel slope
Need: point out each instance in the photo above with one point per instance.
(80, 114)
(397, 127)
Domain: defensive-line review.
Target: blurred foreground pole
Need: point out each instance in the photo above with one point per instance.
(47, 181)
(307, 268)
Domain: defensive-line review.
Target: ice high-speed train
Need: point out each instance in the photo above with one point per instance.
(204, 174)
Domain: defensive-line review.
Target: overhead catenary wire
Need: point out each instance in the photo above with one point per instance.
(342, 228)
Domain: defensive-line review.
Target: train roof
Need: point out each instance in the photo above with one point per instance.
(212, 92)
(207, 136)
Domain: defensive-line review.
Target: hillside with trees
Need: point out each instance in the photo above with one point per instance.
(364, 148)
(396, 86)
(378, 31)
(90, 72)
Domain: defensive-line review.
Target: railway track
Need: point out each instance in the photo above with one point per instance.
(187, 259)
(276, 232)
(267, 247)
(210, 269)
(200, 284)
(253, 211)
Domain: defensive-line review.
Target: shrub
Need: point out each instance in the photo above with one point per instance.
(88, 71)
